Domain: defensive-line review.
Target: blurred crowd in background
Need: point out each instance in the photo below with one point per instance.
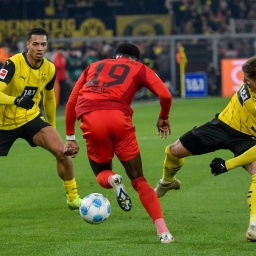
(205, 17)
(188, 16)
(71, 62)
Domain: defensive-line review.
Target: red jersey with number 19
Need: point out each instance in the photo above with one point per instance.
(112, 84)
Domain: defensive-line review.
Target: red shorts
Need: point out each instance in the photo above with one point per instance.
(109, 132)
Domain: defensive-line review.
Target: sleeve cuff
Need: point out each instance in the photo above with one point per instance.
(71, 137)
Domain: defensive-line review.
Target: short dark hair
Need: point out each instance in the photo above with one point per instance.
(249, 67)
(37, 31)
(128, 49)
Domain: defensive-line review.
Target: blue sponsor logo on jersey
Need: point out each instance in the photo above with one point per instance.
(243, 94)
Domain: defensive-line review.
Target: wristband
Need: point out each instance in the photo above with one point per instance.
(71, 137)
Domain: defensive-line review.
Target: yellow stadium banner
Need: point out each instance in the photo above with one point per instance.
(143, 25)
(14, 30)
(93, 27)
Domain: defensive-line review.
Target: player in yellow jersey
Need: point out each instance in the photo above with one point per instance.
(233, 129)
(24, 79)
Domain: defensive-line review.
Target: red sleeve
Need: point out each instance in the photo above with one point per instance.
(70, 114)
(156, 86)
(165, 108)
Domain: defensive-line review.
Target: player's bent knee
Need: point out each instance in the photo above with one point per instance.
(59, 155)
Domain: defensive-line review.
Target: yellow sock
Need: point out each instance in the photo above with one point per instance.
(171, 165)
(71, 189)
(252, 199)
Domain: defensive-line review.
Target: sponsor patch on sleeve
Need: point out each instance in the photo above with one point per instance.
(243, 94)
(3, 73)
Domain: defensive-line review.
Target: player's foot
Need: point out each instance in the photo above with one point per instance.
(122, 196)
(75, 204)
(166, 238)
(251, 233)
(162, 188)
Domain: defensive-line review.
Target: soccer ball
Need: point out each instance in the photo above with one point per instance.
(95, 208)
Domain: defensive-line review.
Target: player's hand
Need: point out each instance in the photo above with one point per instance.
(24, 102)
(163, 128)
(218, 166)
(71, 148)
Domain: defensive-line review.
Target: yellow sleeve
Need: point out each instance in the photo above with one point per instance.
(247, 157)
(4, 98)
(49, 103)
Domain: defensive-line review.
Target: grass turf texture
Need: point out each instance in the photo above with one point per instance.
(208, 216)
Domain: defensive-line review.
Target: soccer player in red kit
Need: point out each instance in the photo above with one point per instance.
(101, 100)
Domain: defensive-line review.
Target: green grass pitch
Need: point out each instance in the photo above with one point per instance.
(208, 216)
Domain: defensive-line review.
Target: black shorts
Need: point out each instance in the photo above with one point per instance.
(216, 135)
(26, 132)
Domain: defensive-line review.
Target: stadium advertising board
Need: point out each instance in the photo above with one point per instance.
(196, 84)
(231, 76)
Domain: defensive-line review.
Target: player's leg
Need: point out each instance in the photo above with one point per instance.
(97, 128)
(200, 140)
(171, 166)
(239, 143)
(174, 160)
(147, 196)
(128, 152)
(7, 138)
(107, 179)
(251, 199)
(49, 139)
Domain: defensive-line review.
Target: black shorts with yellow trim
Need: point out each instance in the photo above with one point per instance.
(26, 132)
(215, 135)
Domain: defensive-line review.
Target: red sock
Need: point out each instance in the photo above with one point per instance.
(148, 198)
(102, 178)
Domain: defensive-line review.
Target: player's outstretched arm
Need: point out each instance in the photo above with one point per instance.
(247, 157)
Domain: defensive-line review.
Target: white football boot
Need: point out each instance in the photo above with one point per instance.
(122, 196)
(162, 188)
(166, 238)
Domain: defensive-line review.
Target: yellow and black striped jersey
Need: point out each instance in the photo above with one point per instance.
(240, 113)
(22, 79)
